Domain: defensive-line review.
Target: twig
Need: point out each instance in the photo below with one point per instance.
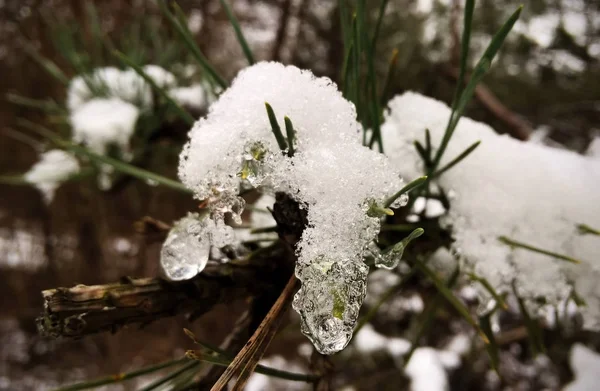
(82, 310)
(247, 359)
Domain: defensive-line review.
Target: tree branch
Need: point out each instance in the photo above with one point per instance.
(82, 310)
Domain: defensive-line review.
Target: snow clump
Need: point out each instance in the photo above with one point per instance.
(112, 82)
(529, 192)
(331, 175)
(53, 168)
(101, 123)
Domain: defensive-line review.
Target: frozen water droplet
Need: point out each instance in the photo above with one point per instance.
(253, 163)
(329, 301)
(224, 203)
(400, 201)
(391, 259)
(186, 250)
(221, 234)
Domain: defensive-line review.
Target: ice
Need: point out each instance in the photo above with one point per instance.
(101, 123)
(185, 252)
(391, 258)
(331, 175)
(529, 192)
(190, 244)
(53, 168)
(329, 301)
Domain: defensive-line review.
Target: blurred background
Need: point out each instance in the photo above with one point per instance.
(544, 87)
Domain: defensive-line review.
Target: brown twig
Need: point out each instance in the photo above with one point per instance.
(247, 359)
(286, 9)
(82, 310)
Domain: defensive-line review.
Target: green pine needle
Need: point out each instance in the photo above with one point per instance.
(464, 96)
(447, 293)
(456, 160)
(183, 114)
(50, 67)
(121, 376)
(238, 32)
(534, 330)
(486, 284)
(190, 366)
(275, 128)
(492, 348)
(291, 134)
(406, 189)
(118, 165)
(514, 243)
(189, 41)
(586, 229)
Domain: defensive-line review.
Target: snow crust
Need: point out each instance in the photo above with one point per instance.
(528, 192)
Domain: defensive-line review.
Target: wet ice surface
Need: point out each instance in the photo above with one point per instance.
(329, 301)
(186, 250)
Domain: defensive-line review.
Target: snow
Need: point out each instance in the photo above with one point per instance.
(529, 192)
(260, 382)
(161, 77)
(369, 341)
(193, 96)
(53, 168)
(100, 123)
(331, 174)
(585, 364)
(593, 150)
(112, 82)
(426, 371)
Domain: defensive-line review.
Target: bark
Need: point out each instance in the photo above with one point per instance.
(82, 310)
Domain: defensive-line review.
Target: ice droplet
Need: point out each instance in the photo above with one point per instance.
(253, 163)
(391, 258)
(226, 202)
(186, 250)
(329, 301)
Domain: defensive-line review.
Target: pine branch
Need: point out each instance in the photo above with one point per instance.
(83, 310)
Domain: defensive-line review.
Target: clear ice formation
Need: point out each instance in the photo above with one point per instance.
(390, 259)
(186, 250)
(190, 244)
(329, 301)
